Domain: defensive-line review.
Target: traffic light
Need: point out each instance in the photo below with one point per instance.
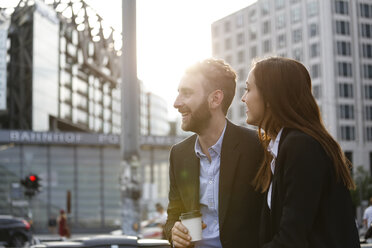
(31, 184)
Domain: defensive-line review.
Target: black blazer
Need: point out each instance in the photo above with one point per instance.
(239, 205)
(308, 207)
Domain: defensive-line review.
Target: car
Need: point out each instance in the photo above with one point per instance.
(14, 231)
(106, 241)
(151, 230)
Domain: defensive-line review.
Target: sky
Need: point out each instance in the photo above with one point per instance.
(171, 35)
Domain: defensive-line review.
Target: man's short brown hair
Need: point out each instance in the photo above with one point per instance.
(220, 76)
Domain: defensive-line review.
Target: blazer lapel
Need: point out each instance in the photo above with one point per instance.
(277, 169)
(228, 164)
(189, 178)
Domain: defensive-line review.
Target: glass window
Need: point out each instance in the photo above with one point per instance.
(252, 15)
(279, 4)
(296, 14)
(365, 10)
(366, 30)
(266, 27)
(317, 93)
(227, 44)
(368, 92)
(342, 7)
(227, 27)
(367, 51)
(315, 71)
(267, 46)
(369, 138)
(241, 74)
(314, 50)
(367, 71)
(111, 189)
(265, 7)
(312, 8)
(343, 27)
(240, 39)
(239, 21)
(368, 113)
(253, 52)
(280, 21)
(281, 41)
(298, 54)
(345, 90)
(252, 35)
(228, 59)
(88, 166)
(346, 111)
(343, 48)
(313, 29)
(296, 35)
(241, 57)
(347, 133)
(344, 69)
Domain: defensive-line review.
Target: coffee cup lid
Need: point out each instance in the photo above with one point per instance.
(190, 215)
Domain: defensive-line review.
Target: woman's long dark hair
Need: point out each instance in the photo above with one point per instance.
(285, 86)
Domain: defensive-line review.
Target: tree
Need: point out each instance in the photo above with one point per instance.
(363, 183)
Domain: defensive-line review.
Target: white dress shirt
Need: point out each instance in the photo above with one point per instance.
(273, 149)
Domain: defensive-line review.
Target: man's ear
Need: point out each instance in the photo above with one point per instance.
(215, 99)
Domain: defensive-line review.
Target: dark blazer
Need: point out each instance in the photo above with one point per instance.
(239, 205)
(309, 208)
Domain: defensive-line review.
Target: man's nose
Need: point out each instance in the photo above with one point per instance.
(177, 103)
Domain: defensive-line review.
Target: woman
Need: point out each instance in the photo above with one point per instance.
(62, 225)
(305, 174)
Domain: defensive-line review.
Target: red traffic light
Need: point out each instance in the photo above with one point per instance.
(32, 178)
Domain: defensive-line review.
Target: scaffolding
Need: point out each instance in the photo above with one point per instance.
(89, 69)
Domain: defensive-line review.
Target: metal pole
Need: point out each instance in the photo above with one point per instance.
(130, 190)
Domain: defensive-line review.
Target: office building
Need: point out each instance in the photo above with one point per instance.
(61, 116)
(332, 38)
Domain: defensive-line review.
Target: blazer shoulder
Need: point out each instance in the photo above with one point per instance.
(246, 132)
(296, 137)
(184, 144)
(299, 143)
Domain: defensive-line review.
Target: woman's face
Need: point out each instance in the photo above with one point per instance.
(254, 101)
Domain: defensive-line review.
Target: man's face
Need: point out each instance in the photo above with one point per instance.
(192, 103)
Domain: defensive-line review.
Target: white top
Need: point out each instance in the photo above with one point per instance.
(368, 216)
(161, 217)
(209, 189)
(273, 149)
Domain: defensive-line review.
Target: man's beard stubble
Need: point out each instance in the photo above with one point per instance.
(200, 118)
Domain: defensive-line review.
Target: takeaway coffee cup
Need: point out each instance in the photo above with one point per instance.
(193, 222)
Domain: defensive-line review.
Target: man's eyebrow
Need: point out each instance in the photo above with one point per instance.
(185, 89)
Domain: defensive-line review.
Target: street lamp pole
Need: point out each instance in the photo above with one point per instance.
(130, 92)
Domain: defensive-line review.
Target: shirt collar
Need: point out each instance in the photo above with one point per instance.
(274, 145)
(216, 147)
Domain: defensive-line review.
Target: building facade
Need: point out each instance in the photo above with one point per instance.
(63, 118)
(332, 38)
(64, 71)
(86, 166)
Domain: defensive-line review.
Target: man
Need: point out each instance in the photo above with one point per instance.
(212, 170)
(161, 214)
(367, 219)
